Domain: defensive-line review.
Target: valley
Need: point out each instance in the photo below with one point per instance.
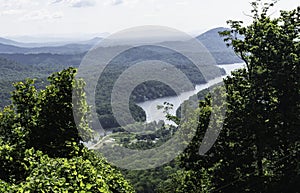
(38, 62)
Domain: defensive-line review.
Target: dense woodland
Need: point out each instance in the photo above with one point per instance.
(39, 66)
(258, 149)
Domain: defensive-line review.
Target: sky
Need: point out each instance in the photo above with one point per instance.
(71, 18)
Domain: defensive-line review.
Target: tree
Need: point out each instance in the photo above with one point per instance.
(86, 173)
(13, 139)
(270, 49)
(41, 148)
(258, 148)
(48, 114)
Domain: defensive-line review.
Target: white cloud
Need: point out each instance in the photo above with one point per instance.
(50, 2)
(116, 2)
(17, 7)
(57, 15)
(181, 3)
(56, 1)
(12, 12)
(84, 3)
(76, 3)
(17, 4)
(41, 15)
(129, 3)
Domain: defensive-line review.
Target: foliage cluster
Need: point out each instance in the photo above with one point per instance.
(40, 146)
(258, 147)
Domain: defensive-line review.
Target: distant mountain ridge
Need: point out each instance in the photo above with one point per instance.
(210, 39)
(217, 47)
(65, 49)
(20, 62)
(10, 42)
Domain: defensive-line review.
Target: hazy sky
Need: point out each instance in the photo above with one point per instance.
(75, 17)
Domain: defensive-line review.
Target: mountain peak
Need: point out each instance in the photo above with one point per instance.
(217, 47)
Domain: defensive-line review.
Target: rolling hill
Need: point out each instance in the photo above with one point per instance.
(17, 63)
(210, 39)
(217, 47)
(10, 42)
(65, 49)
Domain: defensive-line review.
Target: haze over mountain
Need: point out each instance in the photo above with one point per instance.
(65, 49)
(210, 39)
(42, 61)
(216, 46)
(58, 42)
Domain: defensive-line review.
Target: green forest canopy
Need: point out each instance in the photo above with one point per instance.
(257, 150)
(40, 146)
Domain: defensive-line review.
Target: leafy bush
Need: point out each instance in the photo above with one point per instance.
(40, 147)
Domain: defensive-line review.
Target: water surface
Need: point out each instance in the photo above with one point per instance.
(150, 107)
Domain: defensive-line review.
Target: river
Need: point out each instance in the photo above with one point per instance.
(150, 107)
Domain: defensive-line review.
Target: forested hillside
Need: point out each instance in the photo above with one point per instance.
(42, 149)
(41, 65)
(11, 71)
(258, 147)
